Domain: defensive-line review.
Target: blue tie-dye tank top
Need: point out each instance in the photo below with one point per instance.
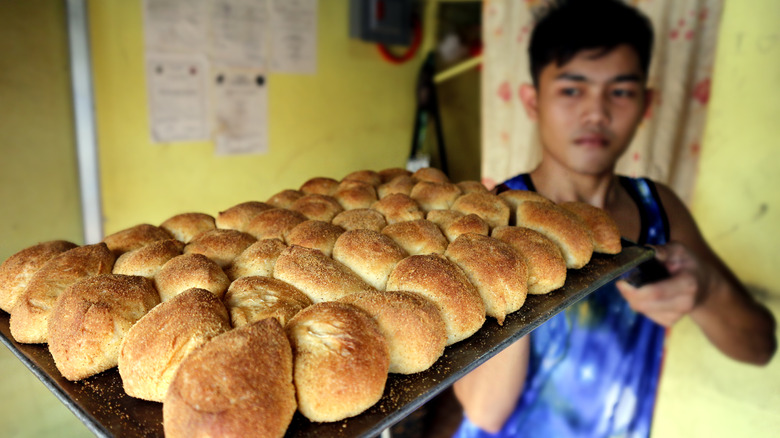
(594, 368)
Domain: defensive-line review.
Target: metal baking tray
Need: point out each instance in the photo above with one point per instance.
(102, 405)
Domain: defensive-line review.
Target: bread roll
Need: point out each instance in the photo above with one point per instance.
(185, 226)
(562, 227)
(353, 194)
(402, 185)
(398, 208)
(134, 238)
(222, 246)
(390, 174)
(417, 237)
(238, 384)
(488, 206)
(251, 299)
(17, 271)
(274, 224)
(431, 174)
(155, 346)
(411, 325)
(435, 195)
(366, 176)
(319, 186)
(316, 235)
(514, 198)
(546, 266)
(498, 272)
(318, 276)
(188, 271)
(91, 318)
(369, 254)
(148, 260)
(341, 361)
(442, 282)
(318, 207)
(360, 219)
(30, 316)
(238, 217)
(454, 223)
(472, 187)
(285, 198)
(258, 259)
(604, 230)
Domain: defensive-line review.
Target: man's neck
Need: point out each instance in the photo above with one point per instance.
(562, 185)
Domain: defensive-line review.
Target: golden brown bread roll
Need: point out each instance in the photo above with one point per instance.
(188, 271)
(353, 194)
(369, 254)
(185, 226)
(454, 223)
(417, 237)
(91, 318)
(274, 224)
(258, 259)
(488, 206)
(17, 271)
(391, 173)
(319, 186)
(222, 246)
(285, 198)
(316, 235)
(412, 326)
(318, 207)
(134, 238)
(431, 174)
(562, 227)
(30, 316)
(251, 299)
(435, 195)
(155, 346)
(402, 185)
(360, 219)
(238, 384)
(341, 361)
(603, 229)
(366, 176)
(318, 276)
(546, 266)
(398, 208)
(498, 272)
(148, 260)
(472, 187)
(514, 198)
(446, 285)
(239, 216)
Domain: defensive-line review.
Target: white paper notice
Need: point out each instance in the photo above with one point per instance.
(175, 25)
(239, 32)
(293, 36)
(178, 97)
(241, 99)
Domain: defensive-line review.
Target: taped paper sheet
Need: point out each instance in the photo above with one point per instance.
(241, 101)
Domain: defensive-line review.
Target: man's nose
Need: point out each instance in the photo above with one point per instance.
(596, 111)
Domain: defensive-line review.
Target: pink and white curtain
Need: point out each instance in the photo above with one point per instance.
(667, 144)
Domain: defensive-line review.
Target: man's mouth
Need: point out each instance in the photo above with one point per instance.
(592, 140)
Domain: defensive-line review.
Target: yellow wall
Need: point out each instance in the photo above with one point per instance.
(737, 205)
(354, 113)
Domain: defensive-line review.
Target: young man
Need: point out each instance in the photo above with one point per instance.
(592, 371)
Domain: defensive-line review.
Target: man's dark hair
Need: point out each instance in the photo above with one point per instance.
(566, 27)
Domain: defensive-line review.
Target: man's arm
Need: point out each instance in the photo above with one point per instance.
(490, 393)
(702, 286)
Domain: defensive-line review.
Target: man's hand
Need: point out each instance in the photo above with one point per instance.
(666, 301)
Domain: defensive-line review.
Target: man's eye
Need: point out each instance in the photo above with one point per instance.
(619, 92)
(570, 92)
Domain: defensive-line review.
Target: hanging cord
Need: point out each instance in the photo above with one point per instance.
(392, 58)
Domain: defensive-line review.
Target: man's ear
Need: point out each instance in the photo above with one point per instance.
(649, 96)
(528, 96)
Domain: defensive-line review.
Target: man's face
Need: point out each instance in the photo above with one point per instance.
(588, 109)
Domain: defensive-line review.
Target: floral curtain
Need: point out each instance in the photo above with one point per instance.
(668, 142)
